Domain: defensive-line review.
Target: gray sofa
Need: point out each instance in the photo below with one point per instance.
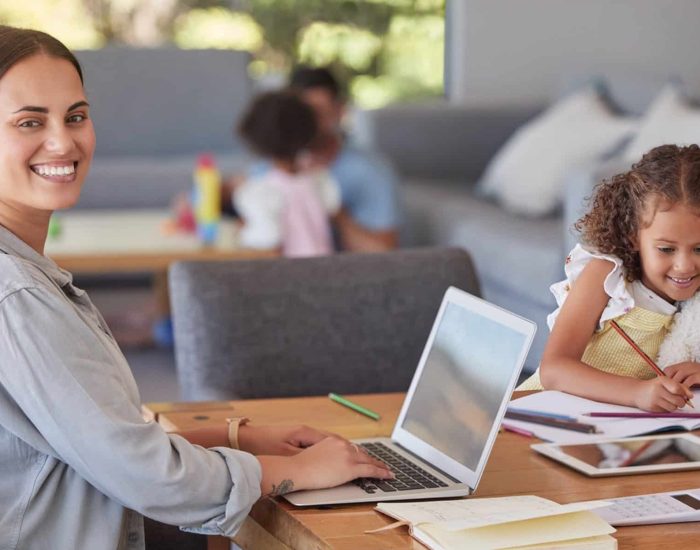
(154, 110)
(440, 151)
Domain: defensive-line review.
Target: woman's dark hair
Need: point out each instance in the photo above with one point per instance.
(278, 125)
(18, 44)
(627, 202)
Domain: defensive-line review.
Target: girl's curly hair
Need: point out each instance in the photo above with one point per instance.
(621, 205)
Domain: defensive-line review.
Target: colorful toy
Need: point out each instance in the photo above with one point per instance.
(207, 198)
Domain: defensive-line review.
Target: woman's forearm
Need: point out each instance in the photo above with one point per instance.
(212, 436)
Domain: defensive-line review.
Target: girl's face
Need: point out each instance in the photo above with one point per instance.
(46, 137)
(669, 249)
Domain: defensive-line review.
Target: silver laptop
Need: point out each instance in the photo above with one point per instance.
(450, 417)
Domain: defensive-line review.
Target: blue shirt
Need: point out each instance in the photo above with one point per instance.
(368, 187)
(78, 463)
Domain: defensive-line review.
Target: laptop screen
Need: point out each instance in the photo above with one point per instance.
(463, 382)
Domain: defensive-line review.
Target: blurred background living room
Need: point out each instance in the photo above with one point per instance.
(497, 118)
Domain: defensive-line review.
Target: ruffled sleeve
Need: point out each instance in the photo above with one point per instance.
(615, 285)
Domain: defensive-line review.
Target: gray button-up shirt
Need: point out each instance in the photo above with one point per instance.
(78, 464)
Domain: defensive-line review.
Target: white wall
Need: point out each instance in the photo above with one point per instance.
(517, 52)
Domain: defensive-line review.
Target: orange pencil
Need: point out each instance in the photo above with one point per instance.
(643, 355)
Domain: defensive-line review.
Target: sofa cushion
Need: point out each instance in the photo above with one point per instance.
(509, 251)
(144, 182)
(165, 101)
(527, 174)
(670, 119)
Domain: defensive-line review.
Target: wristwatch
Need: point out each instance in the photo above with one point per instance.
(233, 425)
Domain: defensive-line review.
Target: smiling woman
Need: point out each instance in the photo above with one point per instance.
(78, 463)
(48, 141)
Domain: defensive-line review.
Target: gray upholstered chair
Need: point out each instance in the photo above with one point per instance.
(288, 327)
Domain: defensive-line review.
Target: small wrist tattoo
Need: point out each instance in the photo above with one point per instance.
(286, 486)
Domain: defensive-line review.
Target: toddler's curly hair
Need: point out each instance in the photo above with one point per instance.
(625, 203)
(278, 125)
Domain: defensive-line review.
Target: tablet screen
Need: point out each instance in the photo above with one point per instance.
(636, 452)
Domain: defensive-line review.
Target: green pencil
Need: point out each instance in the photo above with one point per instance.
(354, 406)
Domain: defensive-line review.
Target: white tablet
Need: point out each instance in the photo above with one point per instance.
(634, 455)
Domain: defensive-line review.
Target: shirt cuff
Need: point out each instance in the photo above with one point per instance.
(246, 475)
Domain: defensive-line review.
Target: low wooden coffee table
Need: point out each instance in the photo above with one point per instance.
(135, 241)
(115, 241)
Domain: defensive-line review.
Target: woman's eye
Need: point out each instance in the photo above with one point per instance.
(29, 124)
(77, 118)
(665, 249)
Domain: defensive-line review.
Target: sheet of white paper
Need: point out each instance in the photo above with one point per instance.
(454, 515)
(571, 405)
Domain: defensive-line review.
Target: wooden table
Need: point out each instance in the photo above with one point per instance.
(99, 242)
(512, 469)
(134, 241)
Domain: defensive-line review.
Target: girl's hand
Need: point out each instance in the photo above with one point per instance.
(660, 394)
(277, 440)
(686, 373)
(333, 461)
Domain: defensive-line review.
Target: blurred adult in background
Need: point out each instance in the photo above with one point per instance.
(369, 218)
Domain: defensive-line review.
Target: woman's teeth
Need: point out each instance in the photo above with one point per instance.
(54, 170)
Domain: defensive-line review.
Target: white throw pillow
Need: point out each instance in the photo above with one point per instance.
(669, 119)
(527, 174)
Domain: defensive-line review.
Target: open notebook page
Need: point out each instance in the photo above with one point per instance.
(454, 515)
(571, 405)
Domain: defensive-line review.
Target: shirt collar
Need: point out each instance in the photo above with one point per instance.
(14, 246)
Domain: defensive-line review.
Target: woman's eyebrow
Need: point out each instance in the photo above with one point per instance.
(32, 109)
(78, 104)
(36, 109)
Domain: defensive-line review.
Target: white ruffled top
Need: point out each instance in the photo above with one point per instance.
(624, 295)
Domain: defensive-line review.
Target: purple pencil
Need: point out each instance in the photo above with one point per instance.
(642, 415)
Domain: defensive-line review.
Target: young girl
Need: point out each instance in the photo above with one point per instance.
(289, 205)
(641, 257)
(78, 463)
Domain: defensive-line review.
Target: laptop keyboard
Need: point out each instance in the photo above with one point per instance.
(409, 476)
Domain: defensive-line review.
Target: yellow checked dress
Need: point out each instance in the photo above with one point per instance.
(647, 325)
(608, 351)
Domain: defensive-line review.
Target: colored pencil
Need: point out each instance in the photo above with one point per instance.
(552, 422)
(542, 413)
(354, 406)
(643, 355)
(516, 430)
(642, 415)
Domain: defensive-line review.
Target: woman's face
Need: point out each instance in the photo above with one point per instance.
(46, 137)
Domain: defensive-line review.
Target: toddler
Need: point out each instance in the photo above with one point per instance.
(288, 207)
(640, 259)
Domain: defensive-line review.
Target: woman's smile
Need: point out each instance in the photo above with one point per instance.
(58, 172)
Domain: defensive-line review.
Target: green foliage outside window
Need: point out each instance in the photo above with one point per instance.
(386, 50)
